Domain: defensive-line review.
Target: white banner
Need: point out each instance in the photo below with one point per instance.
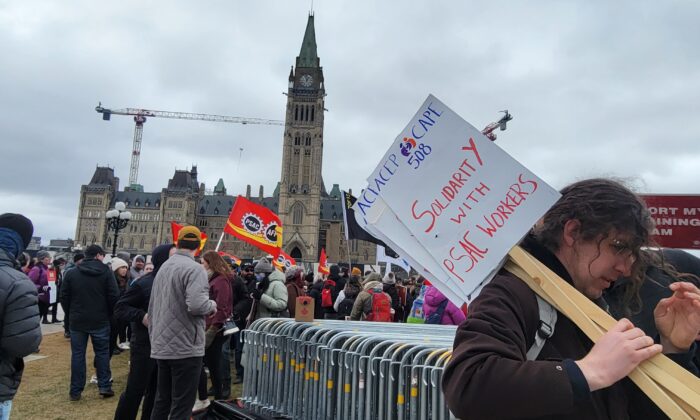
(461, 197)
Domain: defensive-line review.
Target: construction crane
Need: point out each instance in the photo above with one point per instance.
(488, 131)
(140, 118)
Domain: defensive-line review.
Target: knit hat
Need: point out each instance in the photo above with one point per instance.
(19, 224)
(42, 254)
(389, 278)
(140, 258)
(335, 270)
(263, 266)
(356, 272)
(118, 263)
(189, 234)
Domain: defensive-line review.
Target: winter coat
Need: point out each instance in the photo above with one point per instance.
(40, 277)
(488, 375)
(19, 324)
(349, 292)
(433, 298)
(179, 303)
(363, 303)
(315, 293)
(220, 292)
(293, 292)
(133, 305)
(274, 300)
(88, 295)
(242, 302)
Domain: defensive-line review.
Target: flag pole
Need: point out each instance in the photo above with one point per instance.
(221, 238)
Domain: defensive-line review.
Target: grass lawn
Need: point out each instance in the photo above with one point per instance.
(43, 393)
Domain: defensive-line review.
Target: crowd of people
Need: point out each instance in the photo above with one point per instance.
(174, 310)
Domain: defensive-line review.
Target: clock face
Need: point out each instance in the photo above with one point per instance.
(306, 80)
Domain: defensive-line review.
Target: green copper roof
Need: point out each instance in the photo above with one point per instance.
(308, 56)
(220, 188)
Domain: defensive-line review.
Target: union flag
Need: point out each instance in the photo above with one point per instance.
(255, 224)
(284, 260)
(175, 228)
(322, 263)
(234, 258)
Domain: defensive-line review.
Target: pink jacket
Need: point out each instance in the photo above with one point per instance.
(433, 298)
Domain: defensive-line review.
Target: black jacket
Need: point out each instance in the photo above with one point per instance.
(132, 306)
(19, 324)
(315, 293)
(242, 302)
(88, 295)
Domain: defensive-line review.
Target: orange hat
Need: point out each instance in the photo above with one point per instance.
(356, 272)
(189, 233)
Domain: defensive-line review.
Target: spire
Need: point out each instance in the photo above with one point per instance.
(308, 56)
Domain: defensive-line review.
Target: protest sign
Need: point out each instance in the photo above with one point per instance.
(465, 200)
(400, 262)
(51, 277)
(385, 225)
(677, 220)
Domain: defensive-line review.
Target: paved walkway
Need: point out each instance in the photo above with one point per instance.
(53, 328)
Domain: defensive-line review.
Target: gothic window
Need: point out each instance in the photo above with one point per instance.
(109, 242)
(296, 254)
(143, 243)
(155, 229)
(307, 152)
(312, 112)
(297, 140)
(84, 240)
(131, 243)
(308, 140)
(296, 113)
(296, 152)
(298, 214)
(94, 240)
(353, 245)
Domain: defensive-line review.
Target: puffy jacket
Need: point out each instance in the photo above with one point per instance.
(179, 303)
(433, 298)
(274, 300)
(315, 293)
(19, 324)
(88, 295)
(40, 277)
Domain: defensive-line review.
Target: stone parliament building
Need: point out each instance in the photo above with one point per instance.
(312, 218)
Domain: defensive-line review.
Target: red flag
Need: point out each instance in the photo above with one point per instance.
(234, 258)
(256, 225)
(175, 227)
(284, 260)
(322, 263)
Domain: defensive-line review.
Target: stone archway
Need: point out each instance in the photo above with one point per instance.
(296, 254)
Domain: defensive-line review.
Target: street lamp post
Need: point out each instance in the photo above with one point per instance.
(117, 219)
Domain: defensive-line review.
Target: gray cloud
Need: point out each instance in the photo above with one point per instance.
(595, 88)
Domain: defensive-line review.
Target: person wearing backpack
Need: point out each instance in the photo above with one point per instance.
(346, 299)
(439, 310)
(389, 287)
(372, 304)
(331, 288)
(593, 235)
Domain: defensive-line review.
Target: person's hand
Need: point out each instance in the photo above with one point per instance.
(256, 294)
(616, 354)
(678, 317)
(46, 288)
(144, 321)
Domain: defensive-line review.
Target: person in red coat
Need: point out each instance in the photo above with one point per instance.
(219, 291)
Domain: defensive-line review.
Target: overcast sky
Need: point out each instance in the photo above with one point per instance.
(596, 88)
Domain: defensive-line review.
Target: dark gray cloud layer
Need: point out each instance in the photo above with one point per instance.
(596, 88)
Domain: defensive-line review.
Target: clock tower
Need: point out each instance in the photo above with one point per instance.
(301, 185)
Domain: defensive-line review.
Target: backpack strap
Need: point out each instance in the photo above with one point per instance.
(548, 319)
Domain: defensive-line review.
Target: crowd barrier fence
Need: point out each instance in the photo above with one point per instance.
(346, 369)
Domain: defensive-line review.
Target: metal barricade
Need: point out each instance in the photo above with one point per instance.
(345, 369)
